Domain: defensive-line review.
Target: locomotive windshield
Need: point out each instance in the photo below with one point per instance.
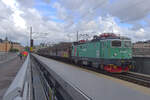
(116, 43)
(127, 44)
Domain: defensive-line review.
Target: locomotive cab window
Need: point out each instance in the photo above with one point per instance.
(116, 43)
(127, 44)
(81, 47)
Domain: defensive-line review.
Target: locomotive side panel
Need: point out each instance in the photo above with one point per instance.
(113, 55)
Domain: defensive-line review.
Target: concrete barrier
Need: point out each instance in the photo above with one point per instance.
(142, 65)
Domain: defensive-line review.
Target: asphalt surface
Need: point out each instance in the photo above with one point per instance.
(8, 71)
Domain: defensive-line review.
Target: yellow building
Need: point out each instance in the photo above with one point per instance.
(6, 46)
(17, 46)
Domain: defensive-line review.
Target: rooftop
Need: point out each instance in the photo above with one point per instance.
(2, 41)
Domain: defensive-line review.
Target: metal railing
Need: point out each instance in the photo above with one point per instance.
(20, 87)
(6, 56)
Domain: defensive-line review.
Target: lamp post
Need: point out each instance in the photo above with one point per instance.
(31, 40)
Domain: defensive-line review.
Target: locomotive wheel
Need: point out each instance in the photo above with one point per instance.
(76, 61)
(79, 63)
(90, 64)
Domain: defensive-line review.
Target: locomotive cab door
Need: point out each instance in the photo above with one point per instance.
(102, 49)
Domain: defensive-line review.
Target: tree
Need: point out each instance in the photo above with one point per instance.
(13, 50)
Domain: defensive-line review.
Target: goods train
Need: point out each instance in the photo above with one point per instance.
(107, 52)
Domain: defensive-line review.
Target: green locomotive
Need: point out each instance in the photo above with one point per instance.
(108, 52)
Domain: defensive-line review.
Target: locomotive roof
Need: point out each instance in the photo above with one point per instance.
(102, 39)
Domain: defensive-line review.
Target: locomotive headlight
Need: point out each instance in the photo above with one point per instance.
(115, 54)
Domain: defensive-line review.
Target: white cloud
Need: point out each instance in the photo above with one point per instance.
(61, 11)
(18, 20)
(25, 3)
(77, 15)
(129, 10)
(5, 11)
(11, 23)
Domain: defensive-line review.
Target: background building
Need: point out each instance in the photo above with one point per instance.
(15, 45)
(6, 46)
(141, 48)
(145, 44)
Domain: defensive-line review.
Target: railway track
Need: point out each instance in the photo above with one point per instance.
(135, 78)
(130, 77)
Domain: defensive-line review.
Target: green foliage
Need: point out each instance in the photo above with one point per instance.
(13, 50)
(27, 48)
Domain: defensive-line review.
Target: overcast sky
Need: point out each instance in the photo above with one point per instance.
(59, 20)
